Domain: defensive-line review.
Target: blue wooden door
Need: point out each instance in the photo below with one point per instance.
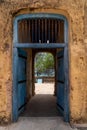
(60, 80)
(22, 56)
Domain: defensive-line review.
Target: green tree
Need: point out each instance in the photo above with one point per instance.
(44, 62)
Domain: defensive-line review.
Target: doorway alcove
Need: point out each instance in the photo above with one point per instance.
(39, 32)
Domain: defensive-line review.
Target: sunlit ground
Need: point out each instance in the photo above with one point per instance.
(44, 88)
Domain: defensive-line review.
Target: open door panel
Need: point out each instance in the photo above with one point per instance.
(22, 57)
(60, 80)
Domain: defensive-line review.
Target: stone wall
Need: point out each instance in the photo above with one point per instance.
(76, 15)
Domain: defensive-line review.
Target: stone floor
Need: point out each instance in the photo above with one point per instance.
(39, 123)
(41, 105)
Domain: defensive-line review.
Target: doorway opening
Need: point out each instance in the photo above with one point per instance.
(44, 73)
(36, 33)
(44, 101)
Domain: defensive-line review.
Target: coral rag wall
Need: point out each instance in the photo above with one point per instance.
(76, 13)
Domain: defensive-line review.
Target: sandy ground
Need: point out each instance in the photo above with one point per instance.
(44, 88)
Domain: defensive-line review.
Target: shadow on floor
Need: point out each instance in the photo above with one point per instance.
(41, 105)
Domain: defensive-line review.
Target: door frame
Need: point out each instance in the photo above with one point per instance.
(17, 45)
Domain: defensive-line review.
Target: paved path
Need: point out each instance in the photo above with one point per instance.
(42, 105)
(36, 123)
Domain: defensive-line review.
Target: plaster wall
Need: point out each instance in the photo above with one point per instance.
(76, 13)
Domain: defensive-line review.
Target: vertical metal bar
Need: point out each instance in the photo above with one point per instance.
(55, 31)
(52, 32)
(19, 32)
(45, 31)
(39, 32)
(62, 31)
(58, 31)
(42, 30)
(22, 31)
(30, 34)
(36, 30)
(49, 30)
(32, 29)
(27, 31)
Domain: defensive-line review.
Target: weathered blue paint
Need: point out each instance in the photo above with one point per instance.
(15, 59)
(15, 87)
(21, 79)
(66, 91)
(19, 74)
(38, 45)
(66, 73)
(37, 15)
(40, 15)
(60, 79)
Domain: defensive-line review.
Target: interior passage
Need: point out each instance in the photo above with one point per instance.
(41, 105)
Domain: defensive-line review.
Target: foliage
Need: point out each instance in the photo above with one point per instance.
(44, 62)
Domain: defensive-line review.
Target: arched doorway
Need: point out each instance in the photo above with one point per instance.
(44, 73)
(40, 32)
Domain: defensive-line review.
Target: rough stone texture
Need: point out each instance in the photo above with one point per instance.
(76, 13)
